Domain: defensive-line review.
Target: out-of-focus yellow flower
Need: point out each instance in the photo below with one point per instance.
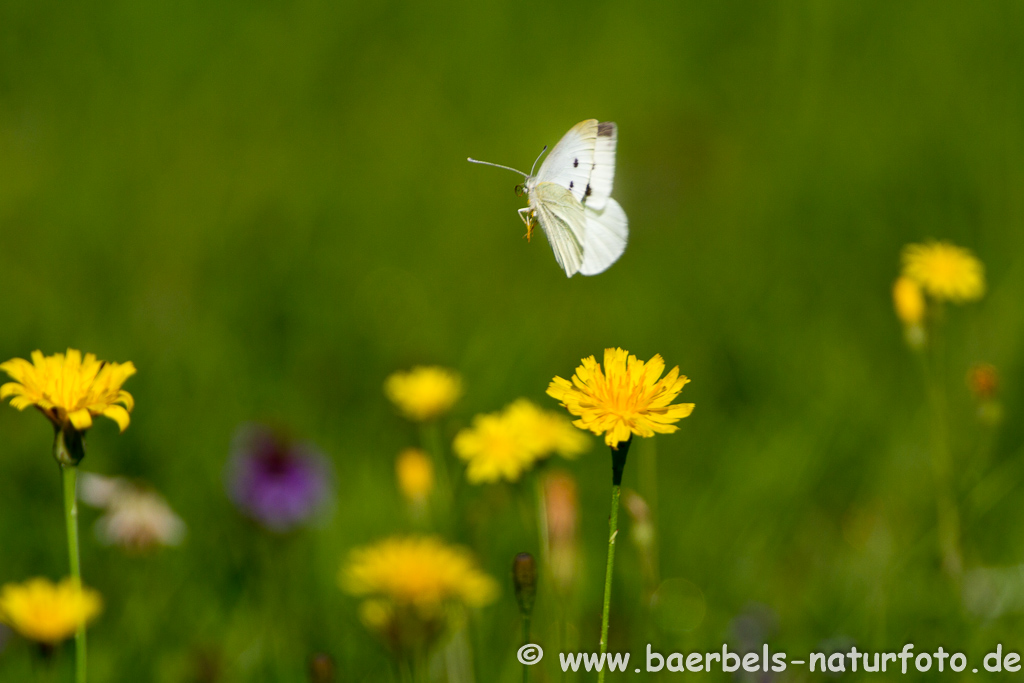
(68, 389)
(545, 431)
(505, 444)
(494, 448)
(945, 271)
(415, 474)
(422, 573)
(47, 612)
(908, 300)
(624, 399)
(425, 392)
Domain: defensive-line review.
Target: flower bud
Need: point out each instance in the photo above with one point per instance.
(908, 301)
(322, 668)
(524, 579)
(415, 474)
(983, 381)
(68, 446)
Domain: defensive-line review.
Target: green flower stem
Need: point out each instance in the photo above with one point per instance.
(69, 474)
(458, 658)
(430, 439)
(948, 516)
(405, 672)
(618, 465)
(526, 639)
(947, 512)
(613, 527)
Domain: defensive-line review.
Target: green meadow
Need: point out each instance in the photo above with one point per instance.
(266, 207)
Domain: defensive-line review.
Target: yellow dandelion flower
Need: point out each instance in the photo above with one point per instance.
(415, 474)
(908, 300)
(624, 399)
(945, 271)
(545, 431)
(68, 389)
(505, 444)
(425, 392)
(47, 612)
(494, 448)
(421, 573)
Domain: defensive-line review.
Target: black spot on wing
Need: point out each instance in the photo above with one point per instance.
(575, 163)
(606, 129)
(570, 184)
(588, 192)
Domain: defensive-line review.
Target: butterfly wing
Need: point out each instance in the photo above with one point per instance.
(605, 238)
(563, 220)
(572, 160)
(599, 187)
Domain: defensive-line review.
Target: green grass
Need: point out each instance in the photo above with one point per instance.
(266, 207)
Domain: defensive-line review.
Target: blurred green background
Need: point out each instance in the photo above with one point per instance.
(266, 207)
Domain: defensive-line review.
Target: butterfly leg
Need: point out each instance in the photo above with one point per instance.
(526, 214)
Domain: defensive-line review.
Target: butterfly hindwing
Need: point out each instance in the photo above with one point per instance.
(571, 162)
(564, 223)
(606, 235)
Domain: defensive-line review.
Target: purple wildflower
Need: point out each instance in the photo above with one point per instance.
(277, 482)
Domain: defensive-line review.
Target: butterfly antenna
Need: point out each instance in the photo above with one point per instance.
(537, 159)
(507, 168)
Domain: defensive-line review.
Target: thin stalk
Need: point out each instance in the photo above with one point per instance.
(43, 664)
(613, 531)
(69, 474)
(542, 521)
(619, 454)
(947, 512)
(430, 441)
(458, 658)
(405, 674)
(526, 639)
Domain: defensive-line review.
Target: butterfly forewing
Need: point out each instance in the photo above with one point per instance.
(571, 162)
(562, 219)
(601, 178)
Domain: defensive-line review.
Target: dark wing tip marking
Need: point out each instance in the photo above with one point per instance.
(575, 163)
(606, 129)
(588, 192)
(570, 185)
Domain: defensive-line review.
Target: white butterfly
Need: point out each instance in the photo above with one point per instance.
(570, 198)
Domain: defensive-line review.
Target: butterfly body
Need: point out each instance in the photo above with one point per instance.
(570, 198)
